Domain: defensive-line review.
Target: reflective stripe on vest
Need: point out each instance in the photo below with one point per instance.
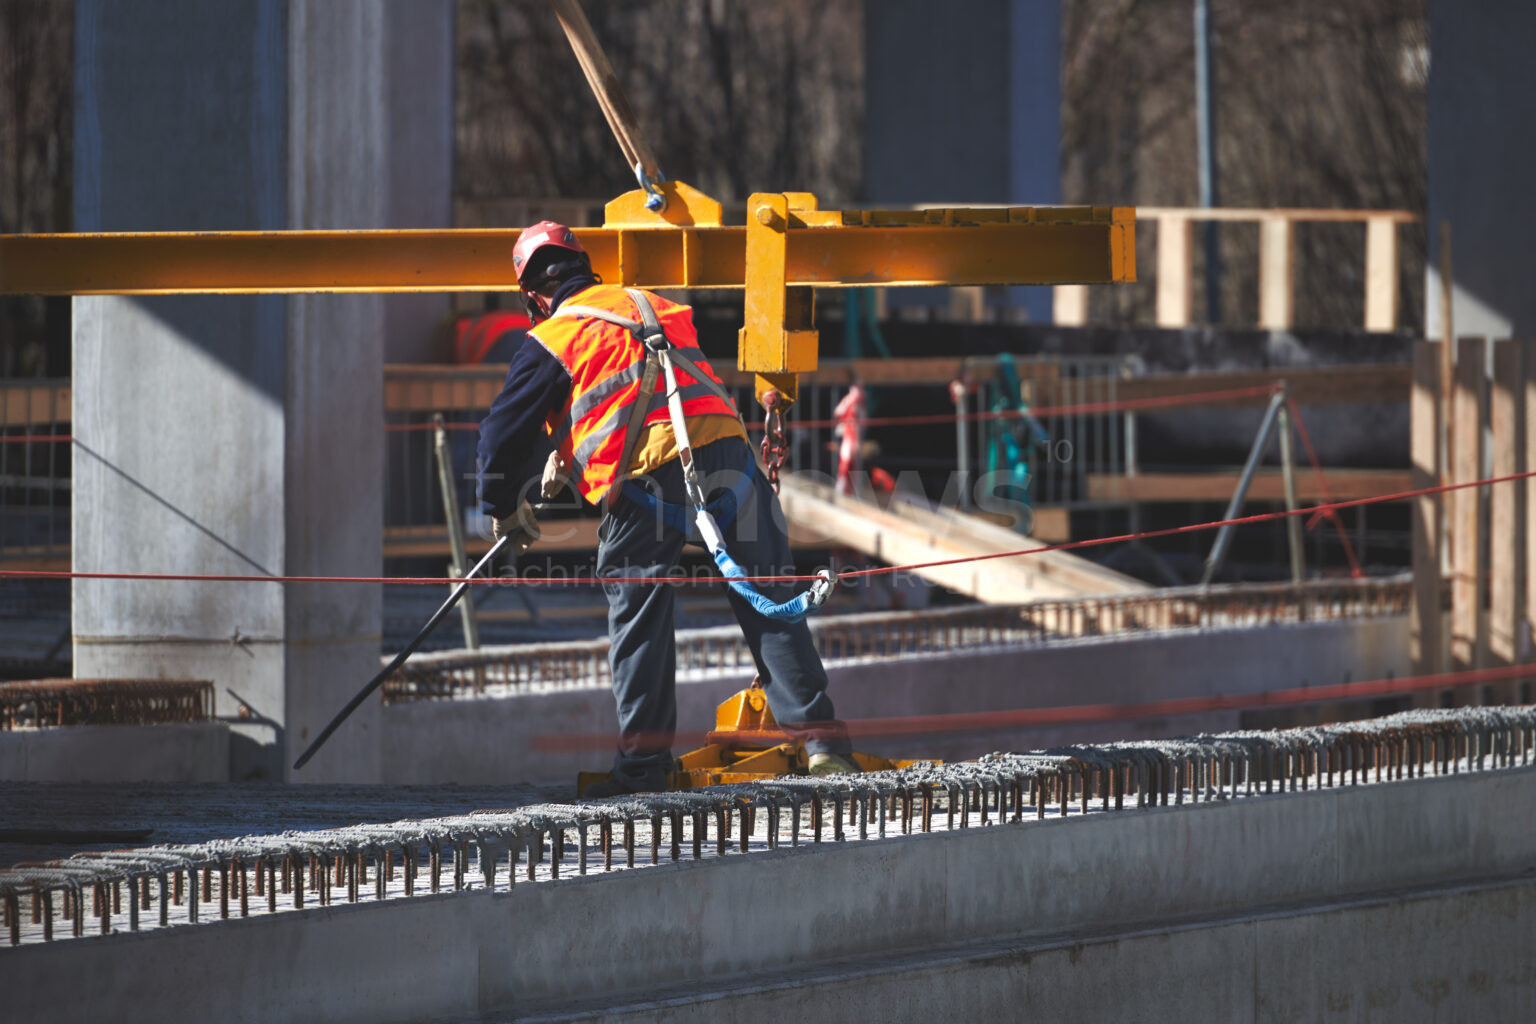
(606, 363)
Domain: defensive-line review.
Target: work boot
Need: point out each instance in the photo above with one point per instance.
(613, 785)
(830, 764)
(605, 787)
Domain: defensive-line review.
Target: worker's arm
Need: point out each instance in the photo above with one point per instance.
(513, 444)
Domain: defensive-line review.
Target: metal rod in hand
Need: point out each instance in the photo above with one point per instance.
(458, 554)
(399, 659)
(1288, 475)
(1224, 536)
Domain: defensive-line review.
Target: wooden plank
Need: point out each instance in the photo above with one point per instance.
(1069, 305)
(1424, 444)
(1276, 304)
(968, 304)
(34, 403)
(1052, 525)
(1175, 277)
(1467, 568)
(1267, 485)
(1527, 511)
(1381, 274)
(433, 388)
(1313, 385)
(1308, 214)
(901, 535)
(1504, 534)
(36, 559)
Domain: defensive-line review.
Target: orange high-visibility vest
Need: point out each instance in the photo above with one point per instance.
(606, 363)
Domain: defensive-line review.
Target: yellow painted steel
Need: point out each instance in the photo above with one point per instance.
(684, 247)
(777, 342)
(746, 745)
(787, 247)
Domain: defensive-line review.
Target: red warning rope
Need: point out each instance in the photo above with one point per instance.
(438, 581)
(1322, 487)
(1078, 714)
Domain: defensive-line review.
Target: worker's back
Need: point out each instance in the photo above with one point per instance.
(606, 363)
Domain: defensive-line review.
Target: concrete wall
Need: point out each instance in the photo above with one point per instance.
(179, 752)
(1346, 961)
(1242, 909)
(490, 739)
(1482, 106)
(963, 105)
(225, 434)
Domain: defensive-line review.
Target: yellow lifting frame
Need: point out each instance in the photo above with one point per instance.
(786, 248)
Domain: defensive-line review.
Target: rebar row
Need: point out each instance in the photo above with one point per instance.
(268, 873)
(584, 663)
(56, 702)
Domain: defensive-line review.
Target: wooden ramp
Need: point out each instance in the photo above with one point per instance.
(904, 532)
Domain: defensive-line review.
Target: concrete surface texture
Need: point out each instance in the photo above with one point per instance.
(487, 740)
(195, 810)
(1343, 960)
(1399, 900)
(1482, 103)
(226, 434)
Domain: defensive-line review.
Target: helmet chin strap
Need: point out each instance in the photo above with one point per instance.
(538, 309)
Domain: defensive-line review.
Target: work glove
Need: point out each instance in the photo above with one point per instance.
(520, 526)
(556, 475)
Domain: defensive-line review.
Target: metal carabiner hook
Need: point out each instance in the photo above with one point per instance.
(655, 201)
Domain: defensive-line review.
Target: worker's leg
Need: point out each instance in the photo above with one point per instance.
(787, 662)
(643, 650)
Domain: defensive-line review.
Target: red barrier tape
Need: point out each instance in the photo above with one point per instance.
(440, 581)
(1078, 714)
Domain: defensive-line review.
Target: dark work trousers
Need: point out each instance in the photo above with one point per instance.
(634, 541)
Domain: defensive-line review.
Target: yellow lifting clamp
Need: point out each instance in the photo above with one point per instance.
(746, 745)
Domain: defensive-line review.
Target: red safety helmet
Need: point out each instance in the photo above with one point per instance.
(545, 232)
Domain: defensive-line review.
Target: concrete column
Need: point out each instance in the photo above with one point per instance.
(963, 105)
(238, 434)
(420, 194)
(1482, 102)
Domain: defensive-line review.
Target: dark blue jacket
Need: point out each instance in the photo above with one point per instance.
(513, 443)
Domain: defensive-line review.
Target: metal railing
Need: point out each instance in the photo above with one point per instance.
(530, 668)
(34, 474)
(62, 702)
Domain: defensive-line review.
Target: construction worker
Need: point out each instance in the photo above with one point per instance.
(571, 404)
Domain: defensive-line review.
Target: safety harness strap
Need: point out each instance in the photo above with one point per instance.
(660, 356)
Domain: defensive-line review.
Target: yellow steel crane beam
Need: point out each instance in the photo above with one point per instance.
(786, 247)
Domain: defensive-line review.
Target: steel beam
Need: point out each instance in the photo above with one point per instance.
(1048, 245)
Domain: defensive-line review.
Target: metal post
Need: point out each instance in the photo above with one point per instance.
(1134, 506)
(1288, 474)
(460, 558)
(1205, 131)
(1224, 535)
(957, 390)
